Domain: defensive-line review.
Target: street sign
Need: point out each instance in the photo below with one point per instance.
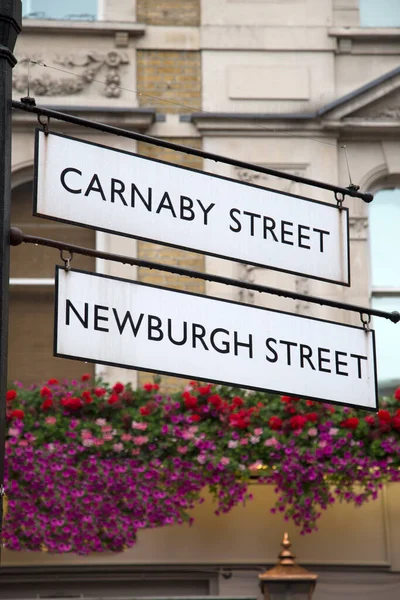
(134, 325)
(118, 192)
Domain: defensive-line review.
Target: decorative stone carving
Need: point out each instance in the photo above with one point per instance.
(75, 73)
(264, 180)
(358, 228)
(384, 109)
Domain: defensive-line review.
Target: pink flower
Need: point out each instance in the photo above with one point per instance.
(140, 439)
(135, 451)
(139, 425)
(50, 420)
(333, 431)
(256, 465)
(271, 442)
(86, 434)
(182, 449)
(258, 431)
(107, 437)
(98, 442)
(22, 443)
(201, 459)
(106, 428)
(87, 442)
(244, 442)
(126, 437)
(118, 447)
(254, 439)
(100, 422)
(13, 432)
(232, 444)
(313, 431)
(224, 461)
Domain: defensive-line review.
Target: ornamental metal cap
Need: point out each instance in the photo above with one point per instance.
(10, 22)
(287, 568)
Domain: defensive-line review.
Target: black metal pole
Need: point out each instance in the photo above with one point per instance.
(17, 237)
(340, 192)
(10, 26)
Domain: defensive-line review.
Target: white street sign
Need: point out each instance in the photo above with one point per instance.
(118, 192)
(118, 322)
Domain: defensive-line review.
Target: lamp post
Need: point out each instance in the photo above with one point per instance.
(10, 26)
(287, 580)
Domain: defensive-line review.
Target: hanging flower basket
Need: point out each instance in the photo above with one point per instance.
(89, 465)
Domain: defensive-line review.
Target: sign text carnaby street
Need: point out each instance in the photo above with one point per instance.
(118, 192)
(118, 322)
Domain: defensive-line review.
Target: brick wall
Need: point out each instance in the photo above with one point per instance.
(170, 82)
(168, 12)
(172, 76)
(169, 255)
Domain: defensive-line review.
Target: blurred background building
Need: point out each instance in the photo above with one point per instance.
(310, 87)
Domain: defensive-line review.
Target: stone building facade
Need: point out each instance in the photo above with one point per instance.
(310, 87)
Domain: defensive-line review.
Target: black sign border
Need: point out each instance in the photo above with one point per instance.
(36, 213)
(191, 376)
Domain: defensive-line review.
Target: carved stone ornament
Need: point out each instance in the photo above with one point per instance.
(264, 180)
(74, 73)
(358, 228)
(384, 109)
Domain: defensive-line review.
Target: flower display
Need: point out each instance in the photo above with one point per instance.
(89, 464)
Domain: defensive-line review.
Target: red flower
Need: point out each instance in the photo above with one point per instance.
(86, 377)
(17, 414)
(46, 392)
(87, 397)
(237, 401)
(369, 419)
(190, 401)
(215, 400)
(112, 399)
(144, 410)
(118, 388)
(350, 423)
(313, 417)
(99, 392)
(297, 422)
(275, 423)
(46, 404)
(397, 394)
(286, 399)
(11, 395)
(384, 416)
(205, 390)
(396, 423)
(149, 387)
(310, 403)
(195, 418)
(52, 382)
(72, 403)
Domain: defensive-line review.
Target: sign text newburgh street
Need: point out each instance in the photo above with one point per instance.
(115, 321)
(119, 192)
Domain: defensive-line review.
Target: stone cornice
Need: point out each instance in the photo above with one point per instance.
(78, 28)
(139, 119)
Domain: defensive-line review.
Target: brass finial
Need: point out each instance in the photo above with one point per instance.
(286, 557)
(287, 568)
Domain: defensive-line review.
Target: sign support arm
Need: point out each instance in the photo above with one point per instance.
(17, 237)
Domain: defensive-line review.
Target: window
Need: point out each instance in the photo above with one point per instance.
(31, 317)
(382, 13)
(384, 220)
(80, 10)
